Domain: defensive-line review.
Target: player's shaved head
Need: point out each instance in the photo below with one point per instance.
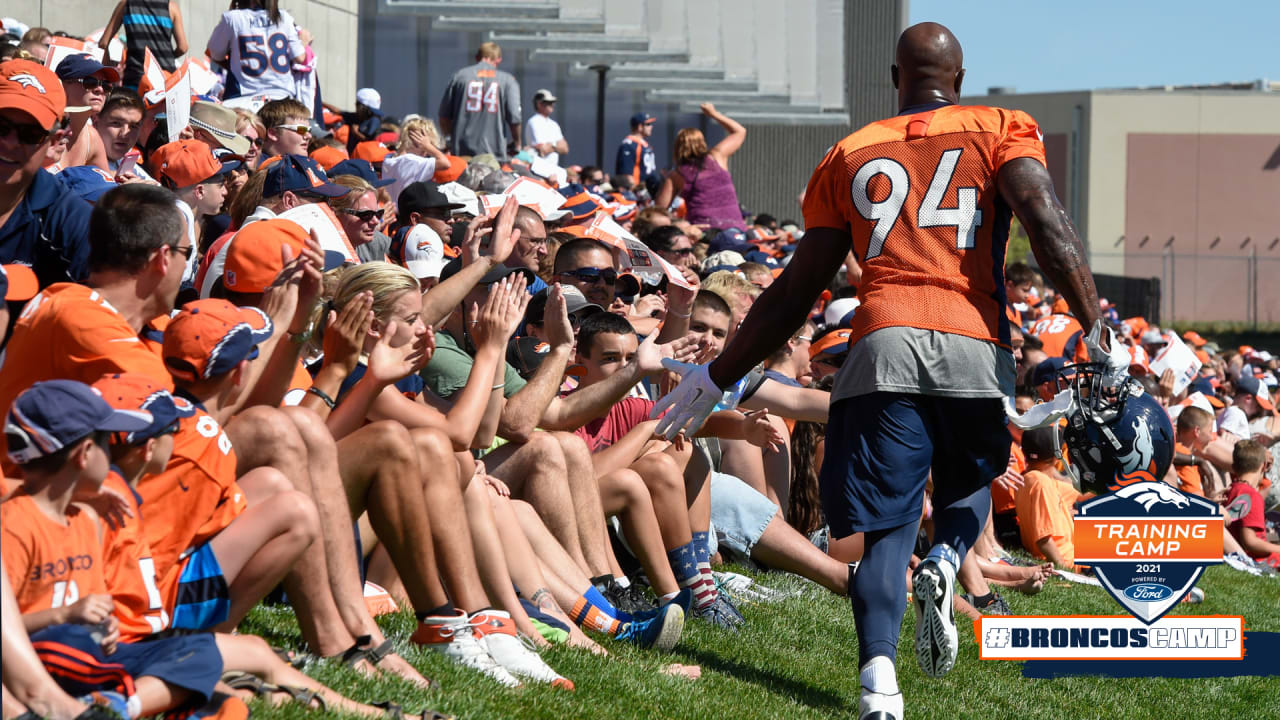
(929, 65)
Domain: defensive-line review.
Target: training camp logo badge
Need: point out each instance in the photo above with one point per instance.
(1148, 544)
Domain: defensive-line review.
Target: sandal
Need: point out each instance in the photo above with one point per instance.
(395, 712)
(362, 651)
(238, 680)
(297, 660)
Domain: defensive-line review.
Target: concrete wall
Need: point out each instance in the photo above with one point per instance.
(332, 22)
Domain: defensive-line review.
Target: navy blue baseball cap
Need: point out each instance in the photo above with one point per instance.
(74, 67)
(299, 174)
(87, 181)
(642, 118)
(1203, 385)
(1047, 371)
(730, 239)
(359, 168)
(757, 256)
(55, 414)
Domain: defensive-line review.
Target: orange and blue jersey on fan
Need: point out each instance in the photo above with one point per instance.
(130, 570)
(918, 194)
(1063, 336)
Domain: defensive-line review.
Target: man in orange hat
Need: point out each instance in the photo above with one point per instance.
(42, 224)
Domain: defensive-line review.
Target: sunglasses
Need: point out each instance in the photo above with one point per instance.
(364, 215)
(28, 133)
(93, 83)
(300, 129)
(685, 252)
(592, 275)
(183, 251)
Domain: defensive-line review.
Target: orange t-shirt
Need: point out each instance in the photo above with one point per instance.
(71, 332)
(130, 571)
(195, 498)
(1063, 336)
(1002, 500)
(918, 194)
(1046, 508)
(50, 564)
(1188, 475)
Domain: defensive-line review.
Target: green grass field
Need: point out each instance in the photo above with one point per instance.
(798, 659)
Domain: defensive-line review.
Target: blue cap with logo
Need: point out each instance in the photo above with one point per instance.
(74, 67)
(642, 118)
(56, 414)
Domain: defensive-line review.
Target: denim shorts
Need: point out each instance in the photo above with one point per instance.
(739, 513)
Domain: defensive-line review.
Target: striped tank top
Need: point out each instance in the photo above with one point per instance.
(147, 25)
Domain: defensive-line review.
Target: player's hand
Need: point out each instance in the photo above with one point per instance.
(89, 610)
(110, 505)
(555, 319)
(758, 431)
(1104, 348)
(345, 332)
(690, 404)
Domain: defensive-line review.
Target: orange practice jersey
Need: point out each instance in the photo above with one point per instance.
(50, 565)
(1063, 336)
(131, 572)
(918, 194)
(195, 498)
(69, 331)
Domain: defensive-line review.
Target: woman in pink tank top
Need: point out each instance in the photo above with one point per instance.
(702, 176)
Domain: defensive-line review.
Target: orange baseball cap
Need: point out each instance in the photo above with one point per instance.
(187, 162)
(833, 343)
(456, 167)
(18, 282)
(1203, 356)
(33, 89)
(136, 391)
(209, 338)
(371, 150)
(253, 258)
(1194, 338)
(328, 156)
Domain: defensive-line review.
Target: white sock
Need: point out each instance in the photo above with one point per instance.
(623, 582)
(669, 597)
(880, 676)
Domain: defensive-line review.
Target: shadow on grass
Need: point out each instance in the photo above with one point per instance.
(802, 692)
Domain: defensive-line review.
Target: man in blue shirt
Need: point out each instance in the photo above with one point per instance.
(42, 224)
(635, 156)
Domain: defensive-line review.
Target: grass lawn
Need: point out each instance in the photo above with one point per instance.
(798, 659)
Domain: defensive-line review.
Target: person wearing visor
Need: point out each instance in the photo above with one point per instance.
(42, 224)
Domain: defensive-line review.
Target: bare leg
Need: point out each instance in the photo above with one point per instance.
(155, 695)
(623, 493)
(450, 529)
(777, 467)
(662, 475)
(697, 488)
(847, 549)
(24, 675)
(970, 576)
(492, 547)
(743, 460)
(536, 473)
(592, 533)
(781, 547)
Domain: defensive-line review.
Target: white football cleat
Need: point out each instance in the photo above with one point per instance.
(933, 586)
(878, 706)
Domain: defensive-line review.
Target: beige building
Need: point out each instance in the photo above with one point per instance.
(332, 22)
(1178, 184)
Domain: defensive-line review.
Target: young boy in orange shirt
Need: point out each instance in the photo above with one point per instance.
(1046, 502)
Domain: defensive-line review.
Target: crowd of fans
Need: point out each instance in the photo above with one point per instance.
(393, 362)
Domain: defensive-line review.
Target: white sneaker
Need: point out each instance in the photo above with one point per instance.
(933, 585)
(878, 706)
(496, 633)
(454, 637)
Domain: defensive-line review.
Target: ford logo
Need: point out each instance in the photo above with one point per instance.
(1148, 592)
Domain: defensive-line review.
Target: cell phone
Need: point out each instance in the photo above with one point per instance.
(128, 162)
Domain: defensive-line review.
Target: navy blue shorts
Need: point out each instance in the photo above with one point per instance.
(71, 656)
(880, 448)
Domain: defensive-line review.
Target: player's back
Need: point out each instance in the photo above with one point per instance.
(260, 52)
(1063, 336)
(195, 497)
(918, 193)
(50, 564)
(480, 99)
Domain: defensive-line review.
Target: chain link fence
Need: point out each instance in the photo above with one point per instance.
(1196, 288)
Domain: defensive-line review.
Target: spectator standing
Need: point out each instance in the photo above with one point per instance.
(541, 132)
(154, 24)
(366, 121)
(480, 110)
(702, 175)
(42, 224)
(258, 43)
(635, 156)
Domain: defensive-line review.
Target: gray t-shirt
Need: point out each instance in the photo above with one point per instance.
(375, 250)
(484, 102)
(925, 362)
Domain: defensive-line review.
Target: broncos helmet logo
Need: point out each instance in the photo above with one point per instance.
(1139, 456)
(29, 80)
(1148, 494)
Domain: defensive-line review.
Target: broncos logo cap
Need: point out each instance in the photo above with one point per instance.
(55, 414)
(211, 337)
(33, 89)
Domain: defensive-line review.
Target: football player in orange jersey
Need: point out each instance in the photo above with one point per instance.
(58, 433)
(925, 199)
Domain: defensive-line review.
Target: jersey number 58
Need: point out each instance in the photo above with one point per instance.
(965, 217)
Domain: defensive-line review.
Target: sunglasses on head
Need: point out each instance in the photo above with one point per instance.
(594, 275)
(93, 83)
(28, 133)
(300, 129)
(364, 215)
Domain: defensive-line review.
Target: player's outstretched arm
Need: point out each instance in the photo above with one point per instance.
(780, 310)
(1025, 184)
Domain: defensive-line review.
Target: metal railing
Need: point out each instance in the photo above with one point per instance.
(1202, 287)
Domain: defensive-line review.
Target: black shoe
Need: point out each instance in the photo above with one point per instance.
(638, 597)
(730, 605)
(629, 600)
(994, 606)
